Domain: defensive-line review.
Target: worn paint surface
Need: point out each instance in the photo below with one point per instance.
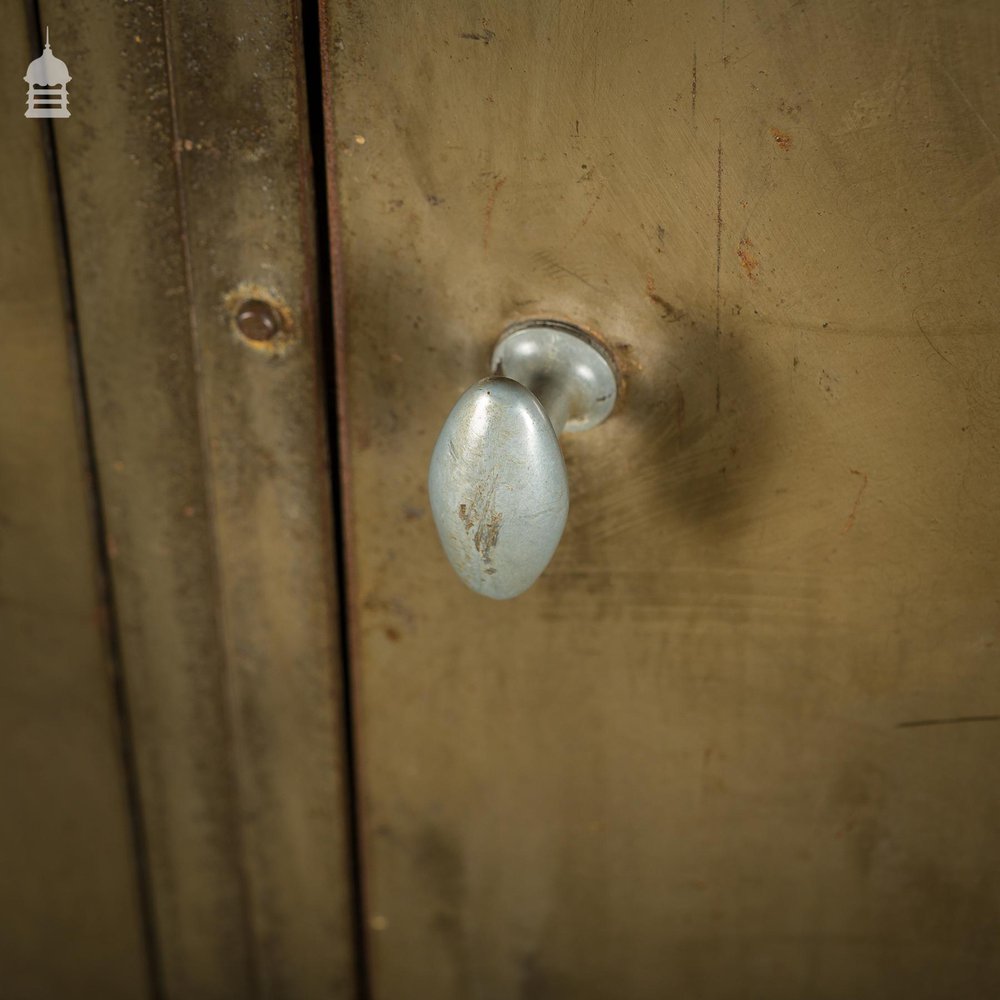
(696, 758)
(69, 878)
(188, 190)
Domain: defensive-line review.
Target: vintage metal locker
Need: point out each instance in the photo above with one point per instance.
(741, 737)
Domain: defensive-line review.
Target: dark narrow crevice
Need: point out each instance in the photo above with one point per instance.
(104, 579)
(312, 40)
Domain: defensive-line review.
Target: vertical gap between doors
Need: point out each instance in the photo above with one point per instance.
(314, 34)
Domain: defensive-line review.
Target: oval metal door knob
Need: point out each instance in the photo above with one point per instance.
(498, 487)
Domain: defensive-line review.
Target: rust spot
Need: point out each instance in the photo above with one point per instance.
(487, 535)
(669, 311)
(628, 360)
(481, 516)
(783, 139)
(748, 259)
(392, 634)
(488, 216)
(849, 523)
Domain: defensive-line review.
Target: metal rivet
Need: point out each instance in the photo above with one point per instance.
(258, 320)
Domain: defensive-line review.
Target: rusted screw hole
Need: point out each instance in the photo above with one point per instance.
(258, 320)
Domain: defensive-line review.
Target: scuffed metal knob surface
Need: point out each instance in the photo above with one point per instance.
(498, 487)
